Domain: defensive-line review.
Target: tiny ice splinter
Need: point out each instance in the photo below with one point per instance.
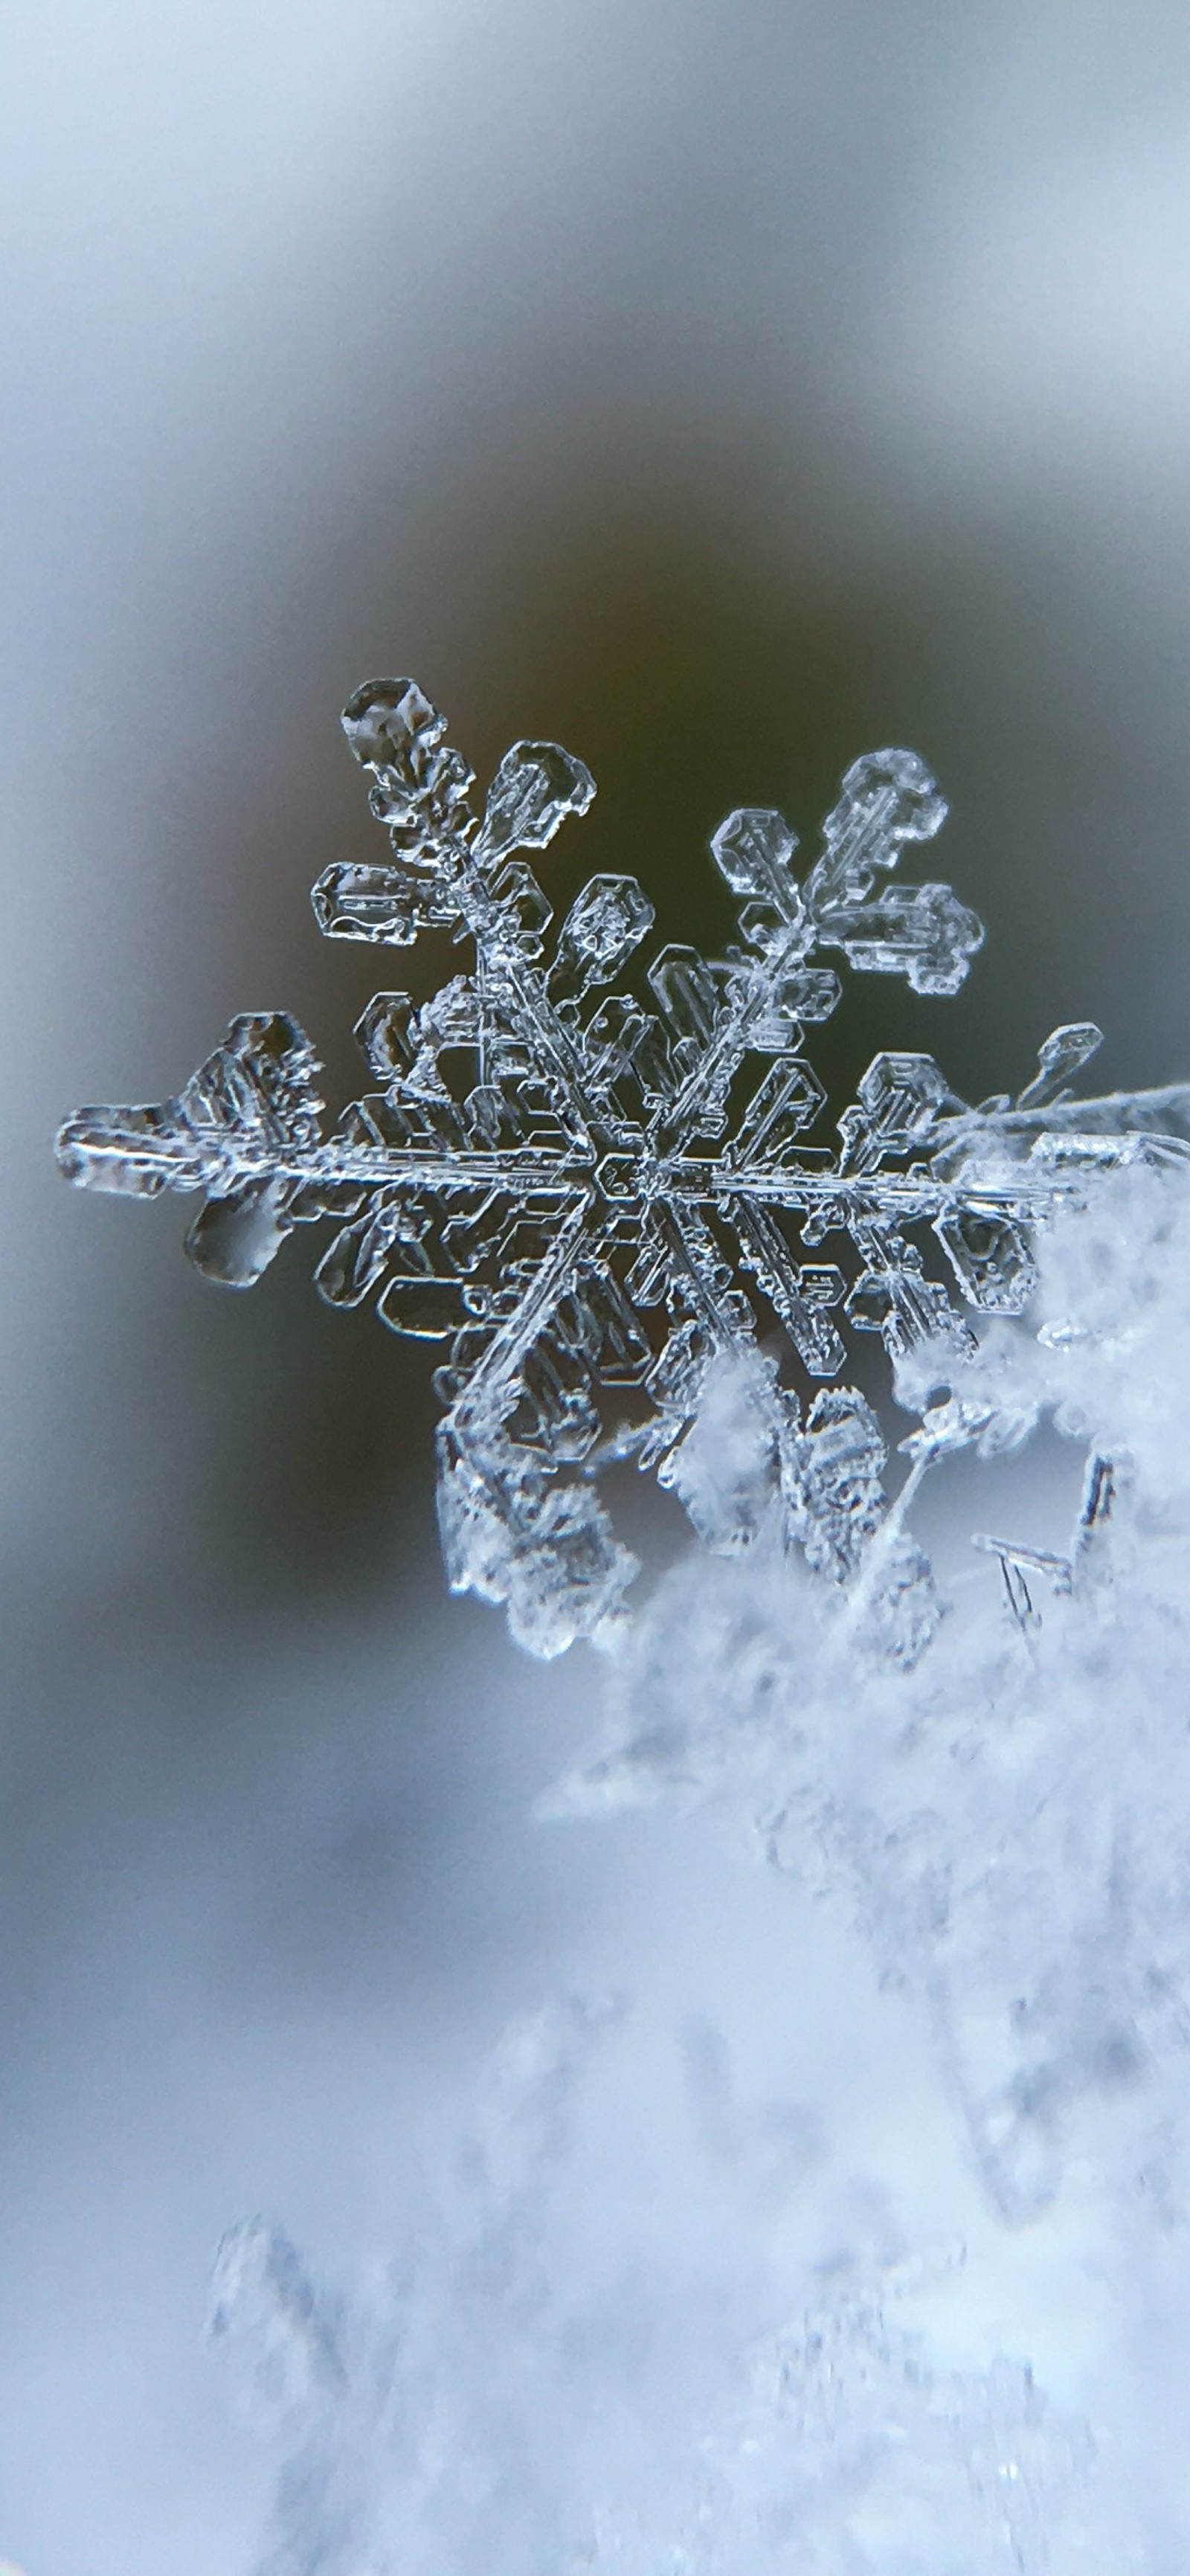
(568, 1187)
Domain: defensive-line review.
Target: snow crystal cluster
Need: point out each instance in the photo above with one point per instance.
(568, 1186)
(1005, 1820)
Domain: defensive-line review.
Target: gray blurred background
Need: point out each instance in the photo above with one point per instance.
(721, 387)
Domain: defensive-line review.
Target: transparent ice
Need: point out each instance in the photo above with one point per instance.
(596, 1200)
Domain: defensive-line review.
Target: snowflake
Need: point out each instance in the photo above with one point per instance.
(567, 1186)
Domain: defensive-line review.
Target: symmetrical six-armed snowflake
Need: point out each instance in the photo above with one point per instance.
(564, 1188)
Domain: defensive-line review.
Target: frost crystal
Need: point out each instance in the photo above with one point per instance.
(567, 1186)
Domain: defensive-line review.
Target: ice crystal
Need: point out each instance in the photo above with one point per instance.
(596, 1199)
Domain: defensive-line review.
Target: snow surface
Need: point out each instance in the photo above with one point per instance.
(533, 2383)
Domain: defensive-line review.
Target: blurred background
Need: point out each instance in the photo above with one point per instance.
(721, 387)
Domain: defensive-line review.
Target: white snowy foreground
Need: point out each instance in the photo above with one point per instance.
(779, 2377)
